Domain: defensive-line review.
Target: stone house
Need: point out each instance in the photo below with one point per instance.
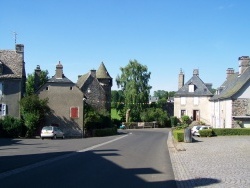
(12, 80)
(66, 102)
(192, 98)
(230, 106)
(96, 85)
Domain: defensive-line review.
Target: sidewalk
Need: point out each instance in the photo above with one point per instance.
(211, 162)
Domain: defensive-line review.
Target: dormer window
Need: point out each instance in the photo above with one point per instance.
(191, 88)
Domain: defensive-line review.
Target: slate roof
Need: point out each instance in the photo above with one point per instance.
(200, 88)
(63, 80)
(232, 85)
(13, 65)
(102, 72)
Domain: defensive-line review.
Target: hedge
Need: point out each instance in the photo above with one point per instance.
(228, 131)
(105, 132)
(178, 135)
(206, 133)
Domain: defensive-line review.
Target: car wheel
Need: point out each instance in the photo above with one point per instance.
(54, 137)
(63, 137)
(42, 138)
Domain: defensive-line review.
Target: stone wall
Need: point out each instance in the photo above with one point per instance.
(240, 107)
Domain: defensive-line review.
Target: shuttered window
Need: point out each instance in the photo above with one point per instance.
(74, 112)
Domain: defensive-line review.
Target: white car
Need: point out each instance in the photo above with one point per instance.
(51, 132)
(202, 127)
(195, 129)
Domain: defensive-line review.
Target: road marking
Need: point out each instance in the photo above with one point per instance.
(42, 163)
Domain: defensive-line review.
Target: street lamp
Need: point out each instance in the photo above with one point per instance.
(83, 119)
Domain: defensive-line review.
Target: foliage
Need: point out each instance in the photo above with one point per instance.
(174, 121)
(30, 82)
(206, 133)
(134, 85)
(117, 100)
(33, 111)
(229, 131)
(161, 94)
(105, 132)
(10, 127)
(186, 119)
(155, 114)
(178, 135)
(96, 119)
(114, 114)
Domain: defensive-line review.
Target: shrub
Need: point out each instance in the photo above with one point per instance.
(174, 121)
(233, 131)
(11, 127)
(206, 133)
(186, 119)
(105, 132)
(178, 135)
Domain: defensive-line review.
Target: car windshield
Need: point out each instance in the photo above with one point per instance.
(48, 128)
(198, 128)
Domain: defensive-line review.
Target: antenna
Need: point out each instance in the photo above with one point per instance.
(15, 34)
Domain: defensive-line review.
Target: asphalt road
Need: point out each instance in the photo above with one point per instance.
(138, 159)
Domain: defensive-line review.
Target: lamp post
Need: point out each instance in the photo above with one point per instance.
(83, 119)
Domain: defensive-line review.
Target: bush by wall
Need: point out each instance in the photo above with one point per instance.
(234, 131)
(10, 127)
(178, 135)
(174, 121)
(105, 132)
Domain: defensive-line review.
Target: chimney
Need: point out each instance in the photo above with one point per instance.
(230, 72)
(37, 77)
(196, 72)
(59, 71)
(181, 79)
(243, 64)
(20, 50)
(93, 73)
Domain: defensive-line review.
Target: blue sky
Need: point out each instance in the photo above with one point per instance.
(164, 35)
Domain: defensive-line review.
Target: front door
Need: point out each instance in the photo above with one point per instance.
(196, 115)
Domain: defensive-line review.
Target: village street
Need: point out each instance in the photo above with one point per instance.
(136, 158)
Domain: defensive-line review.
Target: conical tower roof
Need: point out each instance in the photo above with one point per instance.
(102, 72)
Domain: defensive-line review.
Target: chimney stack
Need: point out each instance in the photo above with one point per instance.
(196, 72)
(181, 79)
(93, 73)
(230, 71)
(59, 71)
(20, 50)
(37, 77)
(243, 63)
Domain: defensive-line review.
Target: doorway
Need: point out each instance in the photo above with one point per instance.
(196, 115)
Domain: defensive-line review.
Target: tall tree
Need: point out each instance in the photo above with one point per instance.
(30, 82)
(134, 84)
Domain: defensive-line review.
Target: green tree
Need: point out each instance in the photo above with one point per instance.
(134, 84)
(33, 111)
(155, 114)
(30, 82)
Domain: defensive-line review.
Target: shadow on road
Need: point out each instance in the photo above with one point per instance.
(91, 169)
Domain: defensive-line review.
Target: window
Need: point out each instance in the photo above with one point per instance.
(183, 100)
(183, 113)
(191, 88)
(196, 100)
(2, 109)
(74, 112)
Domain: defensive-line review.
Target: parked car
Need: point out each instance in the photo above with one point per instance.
(195, 129)
(203, 127)
(51, 132)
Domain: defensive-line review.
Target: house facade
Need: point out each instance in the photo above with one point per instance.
(12, 80)
(96, 85)
(65, 101)
(192, 98)
(231, 104)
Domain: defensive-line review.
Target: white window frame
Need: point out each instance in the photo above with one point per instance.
(183, 100)
(196, 101)
(191, 88)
